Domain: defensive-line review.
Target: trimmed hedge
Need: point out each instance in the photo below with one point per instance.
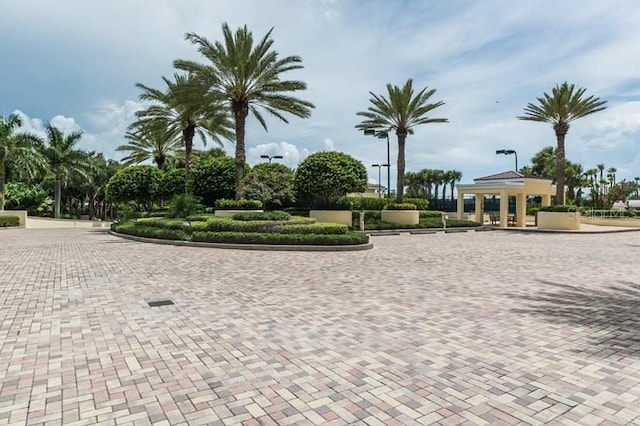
(7, 221)
(400, 206)
(351, 238)
(420, 203)
(130, 228)
(224, 204)
(367, 203)
(559, 209)
(431, 214)
(273, 215)
(314, 228)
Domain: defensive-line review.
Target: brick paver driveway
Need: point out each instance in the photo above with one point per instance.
(476, 328)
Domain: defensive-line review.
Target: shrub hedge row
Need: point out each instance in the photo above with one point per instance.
(272, 238)
(272, 215)
(400, 206)
(223, 204)
(7, 221)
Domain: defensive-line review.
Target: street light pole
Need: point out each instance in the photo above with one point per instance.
(271, 157)
(383, 135)
(509, 152)
(380, 166)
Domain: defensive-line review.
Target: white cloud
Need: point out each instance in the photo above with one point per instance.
(291, 153)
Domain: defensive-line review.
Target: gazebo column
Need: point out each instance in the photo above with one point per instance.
(460, 209)
(546, 200)
(504, 209)
(521, 210)
(479, 208)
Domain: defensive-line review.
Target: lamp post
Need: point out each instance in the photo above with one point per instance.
(271, 157)
(509, 152)
(380, 166)
(383, 135)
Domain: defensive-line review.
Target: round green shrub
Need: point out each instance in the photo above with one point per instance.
(214, 179)
(137, 184)
(326, 176)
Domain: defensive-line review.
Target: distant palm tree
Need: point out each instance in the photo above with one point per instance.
(184, 109)
(247, 76)
(157, 145)
(438, 179)
(415, 188)
(64, 160)
(611, 174)
(401, 111)
(454, 176)
(22, 148)
(563, 106)
(446, 178)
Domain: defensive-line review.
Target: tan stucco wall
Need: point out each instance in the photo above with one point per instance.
(22, 215)
(332, 216)
(401, 217)
(559, 220)
(631, 223)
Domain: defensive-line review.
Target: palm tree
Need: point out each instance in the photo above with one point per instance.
(611, 174)
(64, 160)
(401, 112)
(157, 145)
(247, 77)
(21, 148)
(437, 179)
(446, 178)
(454, 176)
(184, 109)
(414, 183)
(563, 106)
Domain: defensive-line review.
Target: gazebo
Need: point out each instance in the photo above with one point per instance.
(505, 185)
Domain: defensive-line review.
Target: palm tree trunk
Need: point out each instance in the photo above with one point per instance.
(240, 116)
(451, 185)
(444, 191)
(560, 168)
(402, 138)
(57, 193)
(188, 133)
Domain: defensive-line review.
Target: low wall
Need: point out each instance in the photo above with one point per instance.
(22, 215)
(401, 217)
(332, 216)
(626, 222)
(559, 220)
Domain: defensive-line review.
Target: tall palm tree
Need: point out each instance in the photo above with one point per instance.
(157, 145)
(437, 179)
(21, 148)
(414, 183)
(454, 176)
(401, 111)
(611, 174)
(184, 109)
(565, 105)
(64, 160)
(446, 178)
(247, 77)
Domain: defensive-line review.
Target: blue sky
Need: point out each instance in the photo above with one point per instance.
(75, 63)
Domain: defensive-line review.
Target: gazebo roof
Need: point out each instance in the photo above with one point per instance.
(504, 175)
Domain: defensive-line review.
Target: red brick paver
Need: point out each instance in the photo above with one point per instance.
(470, 328)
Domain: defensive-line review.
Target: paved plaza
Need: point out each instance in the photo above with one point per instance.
(462, 328)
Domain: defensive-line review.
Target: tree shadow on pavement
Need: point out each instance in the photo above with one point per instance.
(611, 313)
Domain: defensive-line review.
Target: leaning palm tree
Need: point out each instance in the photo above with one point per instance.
(400, 112)
(183, 109)
(64, 160)
(157, 145)
(565, 105)
(21, 148)
(247, 77)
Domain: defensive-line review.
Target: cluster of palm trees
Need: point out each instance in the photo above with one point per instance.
(431, 183)
(212, 100)
(54, 162)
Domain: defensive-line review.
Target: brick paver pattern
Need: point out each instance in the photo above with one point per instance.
(468, 328)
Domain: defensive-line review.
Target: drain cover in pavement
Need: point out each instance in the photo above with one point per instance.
(164, 302)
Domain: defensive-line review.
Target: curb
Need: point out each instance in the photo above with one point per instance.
(265, 247)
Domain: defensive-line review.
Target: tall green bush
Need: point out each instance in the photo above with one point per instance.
(136, 184)
(213, 179)
(326, 176)
(271, 183)
(32, 198)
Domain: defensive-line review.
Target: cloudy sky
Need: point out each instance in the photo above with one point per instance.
(75, 63)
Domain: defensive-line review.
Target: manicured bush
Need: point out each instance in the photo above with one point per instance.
(559, 209)
(228, 204)
(314, 228)
(157, 222)
(150, 232)
(200, 217)
(7, 221)
(400, 206)
(326, 176)
(430, 214)
(214, 178)
(368, 203)
(170, 184)
(350, 238)
(135, 184)
(271, 183)
(272, 215)
(421, 203)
